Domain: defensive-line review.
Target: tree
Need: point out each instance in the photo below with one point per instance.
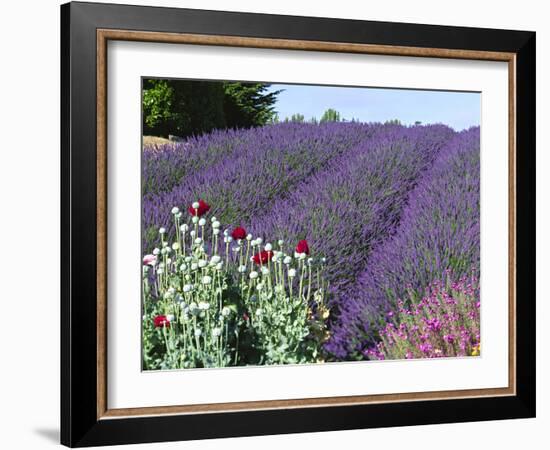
(330, 115)
(248, 104)
(392, 122)
(299, 118)
(188, 107)
(182, 107)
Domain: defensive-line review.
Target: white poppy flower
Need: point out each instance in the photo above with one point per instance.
(216, 332)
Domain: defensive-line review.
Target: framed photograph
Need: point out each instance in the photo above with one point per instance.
(277, 224)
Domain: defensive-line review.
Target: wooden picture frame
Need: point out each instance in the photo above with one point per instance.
(86, 418)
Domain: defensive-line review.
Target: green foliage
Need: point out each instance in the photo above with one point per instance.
(158, 96)
(274, 119)
(248, 104)
(181, 107)
(392, 122)
(330, 115)
(297, 118)
(188, 107)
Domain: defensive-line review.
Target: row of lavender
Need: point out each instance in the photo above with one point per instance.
(257, 167)
(164, 166)
(438, 238)
(344, 210)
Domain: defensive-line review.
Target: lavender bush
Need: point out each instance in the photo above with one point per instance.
(438, 232)
(164, 166)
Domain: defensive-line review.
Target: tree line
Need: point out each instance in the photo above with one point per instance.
(189, 107)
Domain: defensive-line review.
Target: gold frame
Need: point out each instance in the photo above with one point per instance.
(103, 36)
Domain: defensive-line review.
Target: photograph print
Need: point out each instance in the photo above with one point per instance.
(307, 224)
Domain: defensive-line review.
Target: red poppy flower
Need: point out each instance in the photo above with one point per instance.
(201, 210)
(263, 257)
(302, 247)
(239, 233)
(162, 321)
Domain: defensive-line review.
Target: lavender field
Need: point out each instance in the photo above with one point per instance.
(311, 242)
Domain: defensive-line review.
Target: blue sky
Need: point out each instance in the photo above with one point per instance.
(457, 109)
